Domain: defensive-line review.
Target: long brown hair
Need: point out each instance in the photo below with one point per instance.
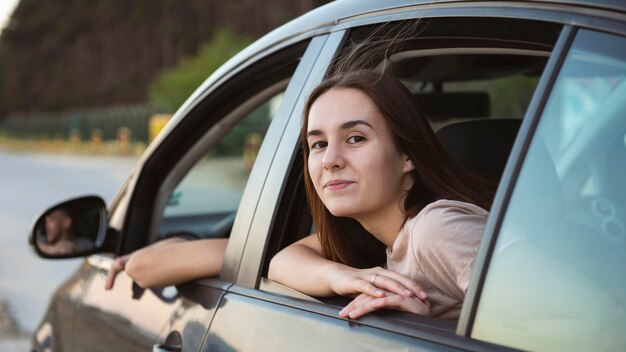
(436, 175)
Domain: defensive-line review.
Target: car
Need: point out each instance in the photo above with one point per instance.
(531, 94)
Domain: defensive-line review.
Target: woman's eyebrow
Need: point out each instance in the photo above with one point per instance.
(350, 124)
(314, 133)
(344, 126)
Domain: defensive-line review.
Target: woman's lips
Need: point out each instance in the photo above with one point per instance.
(337, 185)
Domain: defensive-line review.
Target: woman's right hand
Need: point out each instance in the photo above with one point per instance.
(348, 281)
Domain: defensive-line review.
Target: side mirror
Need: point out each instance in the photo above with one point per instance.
(74, 228)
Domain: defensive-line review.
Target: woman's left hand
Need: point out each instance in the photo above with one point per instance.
(365, 304)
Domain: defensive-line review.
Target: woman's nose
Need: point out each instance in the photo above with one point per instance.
(333, 158)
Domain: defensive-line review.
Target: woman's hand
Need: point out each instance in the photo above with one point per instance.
(374, 282)
(119, 264)
(365, 304)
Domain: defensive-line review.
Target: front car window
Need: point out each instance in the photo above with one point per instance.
(556, 279)
(216, 181)
(205, 201)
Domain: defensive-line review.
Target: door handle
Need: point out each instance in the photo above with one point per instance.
(166, 348)
(173, 343)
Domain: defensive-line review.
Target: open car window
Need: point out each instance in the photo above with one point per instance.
(470, 82)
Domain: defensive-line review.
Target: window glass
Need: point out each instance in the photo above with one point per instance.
(212, 189)
(556, 281)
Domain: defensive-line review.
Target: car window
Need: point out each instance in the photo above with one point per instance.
(216, 181)
(204, 202)
(456, 74)
(556, 278)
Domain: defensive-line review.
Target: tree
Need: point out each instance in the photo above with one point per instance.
(173, 86)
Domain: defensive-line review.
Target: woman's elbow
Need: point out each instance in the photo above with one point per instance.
(139, 272)
(274, 269)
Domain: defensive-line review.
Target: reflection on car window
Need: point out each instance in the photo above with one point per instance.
(556, 279)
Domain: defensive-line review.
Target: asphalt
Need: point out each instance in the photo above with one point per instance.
(29, 183)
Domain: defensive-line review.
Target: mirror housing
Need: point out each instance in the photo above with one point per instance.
(71, 229)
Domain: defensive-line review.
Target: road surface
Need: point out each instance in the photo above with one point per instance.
(29, 184)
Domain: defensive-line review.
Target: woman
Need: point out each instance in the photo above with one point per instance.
(381, 188)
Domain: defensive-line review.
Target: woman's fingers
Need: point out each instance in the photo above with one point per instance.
(365, 304)
(374, 282)
(118, 265)
(354, 304)
(397, 283)
(407, 304)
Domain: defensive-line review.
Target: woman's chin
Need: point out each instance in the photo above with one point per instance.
(342, 212)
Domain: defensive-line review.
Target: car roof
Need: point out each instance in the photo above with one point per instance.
(325, 18)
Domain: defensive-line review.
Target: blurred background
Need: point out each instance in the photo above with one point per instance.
(84, 88)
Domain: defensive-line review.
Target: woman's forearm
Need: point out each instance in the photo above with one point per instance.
(301, 266)
(176, 261)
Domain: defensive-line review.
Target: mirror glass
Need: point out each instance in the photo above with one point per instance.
(70, 228)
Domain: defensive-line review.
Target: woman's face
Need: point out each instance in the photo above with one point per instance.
(353, 163)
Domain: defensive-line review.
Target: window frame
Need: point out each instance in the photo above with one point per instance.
(211, 137)
(244, 255)
(509, 178)
(532, 119)
(185, 133)
(248, 282)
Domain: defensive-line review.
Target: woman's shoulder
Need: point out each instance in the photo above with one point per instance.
(447, 217)
(447, 207)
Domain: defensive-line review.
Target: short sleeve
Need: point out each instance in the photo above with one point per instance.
(445, 240)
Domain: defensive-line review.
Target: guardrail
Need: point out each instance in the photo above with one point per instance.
(118, 129)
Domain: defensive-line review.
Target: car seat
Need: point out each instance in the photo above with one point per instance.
(482, 146)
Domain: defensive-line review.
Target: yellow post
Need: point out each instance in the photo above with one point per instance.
(123, 140)
(75, 141)
(96, 141)
(251, 148)
(156, 124)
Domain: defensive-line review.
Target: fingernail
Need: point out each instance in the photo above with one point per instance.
(423, 295)
(342, 312)
(408, 292)
(379, 293)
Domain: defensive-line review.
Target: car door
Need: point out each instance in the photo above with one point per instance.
(191, 184)
(257, 314)
(555, 279)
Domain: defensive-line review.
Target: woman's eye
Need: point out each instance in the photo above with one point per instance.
(355, 139)
(318, 145)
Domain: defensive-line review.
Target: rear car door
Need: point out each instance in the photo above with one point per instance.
(561, 244)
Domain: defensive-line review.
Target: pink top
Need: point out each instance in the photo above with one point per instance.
(437, 248)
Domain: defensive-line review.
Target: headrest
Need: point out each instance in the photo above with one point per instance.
(482, 146)
(447, 105)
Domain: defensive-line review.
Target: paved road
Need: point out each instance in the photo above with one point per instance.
(29, 184)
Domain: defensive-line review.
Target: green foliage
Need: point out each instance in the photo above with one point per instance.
(234, 142)
(172, 87)
(511, 96)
